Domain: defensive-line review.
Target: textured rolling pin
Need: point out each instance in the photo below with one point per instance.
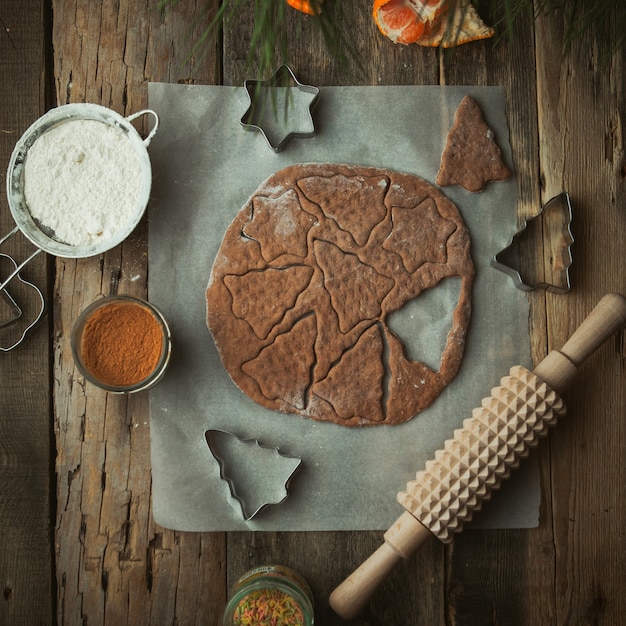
(464, 473)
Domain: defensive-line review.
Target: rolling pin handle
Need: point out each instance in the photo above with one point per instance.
(607, 317)
(401, 540)
(560, 366)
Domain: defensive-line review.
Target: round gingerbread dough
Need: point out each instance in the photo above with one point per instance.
(306, 277)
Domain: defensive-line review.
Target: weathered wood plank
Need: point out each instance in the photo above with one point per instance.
(582, 102)
(26, 570)
(492, 573)
(308, 56)
(114, 564)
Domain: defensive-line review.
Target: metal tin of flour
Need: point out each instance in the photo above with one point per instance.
(66, 114)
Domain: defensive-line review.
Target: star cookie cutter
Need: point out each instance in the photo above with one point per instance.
(280, 108)
(552, 225)
(257, 475)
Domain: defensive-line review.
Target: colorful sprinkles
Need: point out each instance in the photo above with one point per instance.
(270, 595)
(268, 607)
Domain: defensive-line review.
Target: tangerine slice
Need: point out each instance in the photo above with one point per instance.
(398, 20)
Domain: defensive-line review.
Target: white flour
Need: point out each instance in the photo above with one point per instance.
(82, 179)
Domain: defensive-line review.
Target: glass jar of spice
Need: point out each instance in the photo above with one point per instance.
(270, 595)
(121, 344)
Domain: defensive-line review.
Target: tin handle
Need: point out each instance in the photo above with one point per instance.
(8, 235)
(18, 268)
(152, 133)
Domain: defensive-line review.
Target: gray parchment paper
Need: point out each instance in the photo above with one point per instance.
(205, 167)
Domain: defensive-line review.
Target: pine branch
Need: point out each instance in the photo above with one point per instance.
(606, 19)
(271, 31)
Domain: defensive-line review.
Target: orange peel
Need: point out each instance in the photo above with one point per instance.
(429, 22)
(310, 7)
(463, 26)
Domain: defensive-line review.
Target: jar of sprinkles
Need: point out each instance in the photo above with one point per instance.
(270, 595)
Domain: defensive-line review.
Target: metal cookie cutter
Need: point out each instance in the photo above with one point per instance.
(7, 303)
(257, 475)
(551, 224)
(15, 339)
(280, 108)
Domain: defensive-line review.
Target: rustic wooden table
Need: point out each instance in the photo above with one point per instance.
(78, 544)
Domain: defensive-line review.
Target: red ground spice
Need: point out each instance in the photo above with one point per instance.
(122, 344)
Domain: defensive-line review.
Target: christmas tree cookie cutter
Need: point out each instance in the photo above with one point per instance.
(257, 475)
(280, 108)
(551, 225)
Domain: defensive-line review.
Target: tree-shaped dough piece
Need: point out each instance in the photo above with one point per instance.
(471, 157)
(354, 386)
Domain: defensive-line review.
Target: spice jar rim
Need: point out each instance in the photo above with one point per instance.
(159, 371)
(278, 572)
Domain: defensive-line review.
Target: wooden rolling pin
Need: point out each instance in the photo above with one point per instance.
(464, 473)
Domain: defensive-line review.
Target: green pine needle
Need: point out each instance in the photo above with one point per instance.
(605, 19)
